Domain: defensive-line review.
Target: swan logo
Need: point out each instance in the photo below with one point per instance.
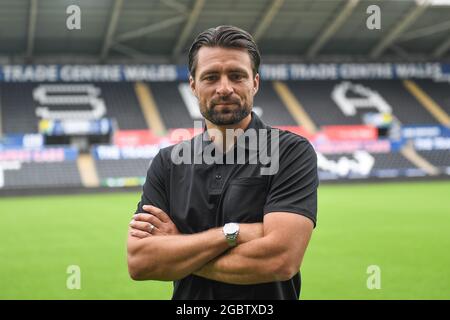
(362, 163)
(70, 96)
(365, 98)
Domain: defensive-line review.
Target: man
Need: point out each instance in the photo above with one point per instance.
(220, 230)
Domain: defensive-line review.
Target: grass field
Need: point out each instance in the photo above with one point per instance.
(404, 228)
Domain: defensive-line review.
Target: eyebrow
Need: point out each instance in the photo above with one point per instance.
(214, 71)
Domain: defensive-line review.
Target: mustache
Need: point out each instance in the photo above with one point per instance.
(214, 102)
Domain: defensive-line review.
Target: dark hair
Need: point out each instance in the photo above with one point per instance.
(225, 37)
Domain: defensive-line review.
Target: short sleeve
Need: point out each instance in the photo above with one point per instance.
(294, 187)
(154, 191)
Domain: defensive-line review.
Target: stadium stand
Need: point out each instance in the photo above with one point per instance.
(170, 104)
(135, 119)
(125, 168)
(19, 104)
(43, 175)
(18, 108)
(363, 165)
(438, 91)
(272, 106)
(317, 99)
(439, 158)
(122, 105)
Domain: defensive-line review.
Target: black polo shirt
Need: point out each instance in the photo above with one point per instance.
(201, 196)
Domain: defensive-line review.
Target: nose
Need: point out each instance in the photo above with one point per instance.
(224, 87)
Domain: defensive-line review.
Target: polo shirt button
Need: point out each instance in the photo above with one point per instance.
(218, 177)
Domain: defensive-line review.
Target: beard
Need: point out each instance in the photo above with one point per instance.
(225, 115)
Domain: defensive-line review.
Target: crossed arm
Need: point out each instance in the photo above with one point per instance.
(266, 252)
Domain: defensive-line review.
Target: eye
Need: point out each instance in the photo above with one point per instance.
(236, 76)
(210, 78)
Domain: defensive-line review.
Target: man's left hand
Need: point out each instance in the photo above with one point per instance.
(154, 223)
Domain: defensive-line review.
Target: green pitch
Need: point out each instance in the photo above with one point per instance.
(402, 228)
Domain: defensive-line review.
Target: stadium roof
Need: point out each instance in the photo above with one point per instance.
(160, 31)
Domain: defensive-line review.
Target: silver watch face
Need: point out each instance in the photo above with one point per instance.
(231, 228)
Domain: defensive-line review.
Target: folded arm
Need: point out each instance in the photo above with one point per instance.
(167, 255)
(276, 256)
(266, 252)
(172, 257)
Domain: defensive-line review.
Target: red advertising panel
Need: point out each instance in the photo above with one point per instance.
(349, 133)
(129, 138)
(297, 130)
(334, 147)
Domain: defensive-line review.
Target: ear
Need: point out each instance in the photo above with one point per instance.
(192, 85)
(256, 84)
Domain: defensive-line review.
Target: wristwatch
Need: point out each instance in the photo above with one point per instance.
(231, 232)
